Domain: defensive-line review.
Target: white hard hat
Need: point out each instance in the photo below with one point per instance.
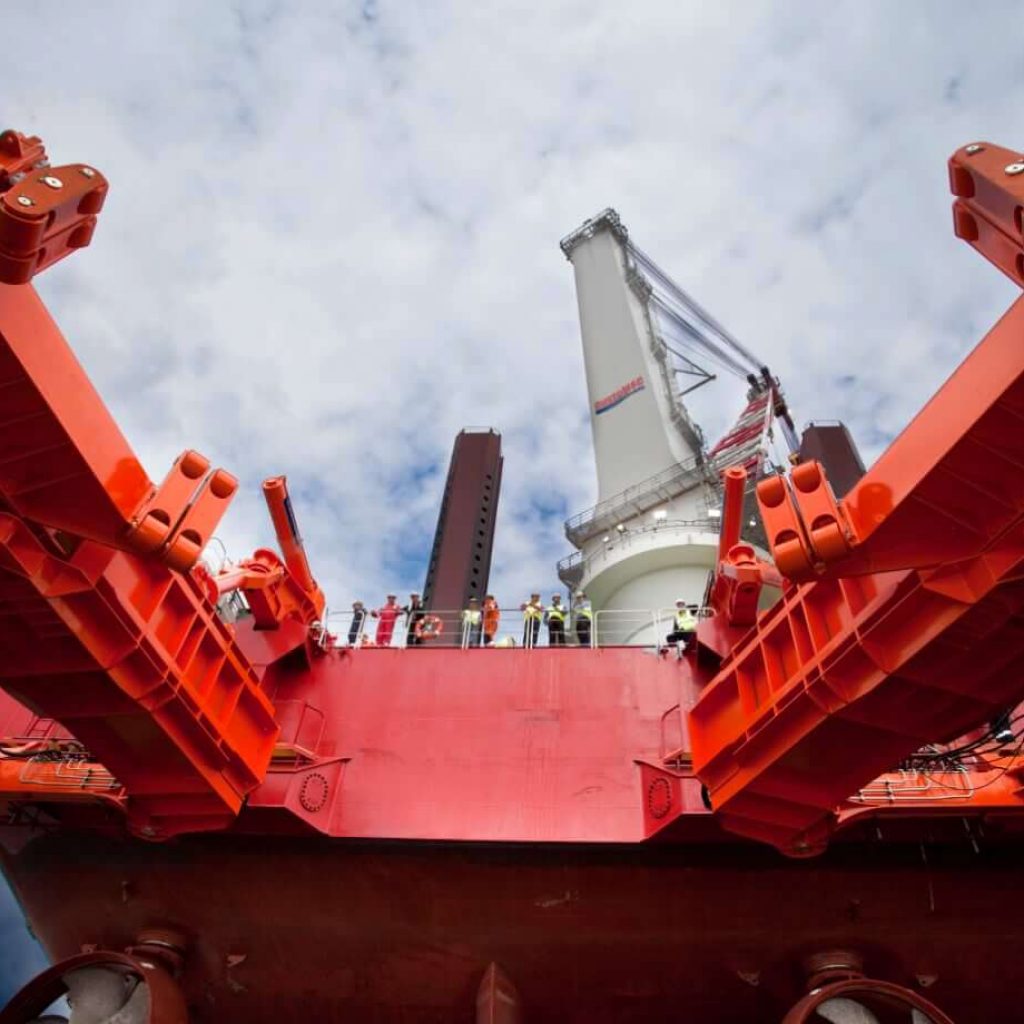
(579, 593)
(680, 600)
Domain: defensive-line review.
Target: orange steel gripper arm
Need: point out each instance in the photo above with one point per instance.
(908, 625)
(103, 628)
(945, 488)
(64, 464)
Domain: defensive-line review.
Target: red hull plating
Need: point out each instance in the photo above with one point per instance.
(322, 930)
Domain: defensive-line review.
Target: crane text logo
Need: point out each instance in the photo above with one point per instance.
(618, 395)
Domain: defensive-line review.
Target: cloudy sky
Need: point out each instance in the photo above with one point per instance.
(331, 237)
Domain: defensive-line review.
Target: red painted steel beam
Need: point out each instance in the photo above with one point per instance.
(63, 460)
(65, 464)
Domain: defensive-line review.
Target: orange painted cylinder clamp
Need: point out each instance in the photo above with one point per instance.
(275, 490)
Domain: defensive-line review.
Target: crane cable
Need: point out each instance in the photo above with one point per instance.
(740, 361)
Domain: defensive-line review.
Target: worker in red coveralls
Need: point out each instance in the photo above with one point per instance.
(387, 616)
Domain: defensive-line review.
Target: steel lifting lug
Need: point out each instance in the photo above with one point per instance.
(988, 182)
(45, 212)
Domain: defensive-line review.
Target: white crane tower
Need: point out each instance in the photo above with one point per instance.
(652, 537)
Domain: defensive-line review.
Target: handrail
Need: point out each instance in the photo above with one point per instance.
(292, 733)
(638, 498)
(663, 747)
(67, 771)
(647, 494)
(610, 627)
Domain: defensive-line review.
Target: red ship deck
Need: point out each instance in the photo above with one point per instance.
(485, 745)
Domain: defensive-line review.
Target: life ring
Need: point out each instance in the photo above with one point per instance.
(430, 627)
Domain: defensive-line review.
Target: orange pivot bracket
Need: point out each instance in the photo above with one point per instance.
(180, 517)
(785, 529)
(45, 212)
(807, 528)
(988, 182)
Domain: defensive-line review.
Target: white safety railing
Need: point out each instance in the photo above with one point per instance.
(623, 627)
(453, 629)
(574, 567)
(640, 498)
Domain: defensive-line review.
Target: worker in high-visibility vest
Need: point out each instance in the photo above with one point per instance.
(472, 619)
(684, 626)
(583, 616)
(555, 616)
(533, 612)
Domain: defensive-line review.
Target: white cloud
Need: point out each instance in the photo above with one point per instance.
(331, 239)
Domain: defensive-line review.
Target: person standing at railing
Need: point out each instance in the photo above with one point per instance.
(533, 612)
(684, 626)
(387, 616)
(356, 626)
(583, 616)
(492, 616)
(555, 618)
(414, 612)
(472, 620)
